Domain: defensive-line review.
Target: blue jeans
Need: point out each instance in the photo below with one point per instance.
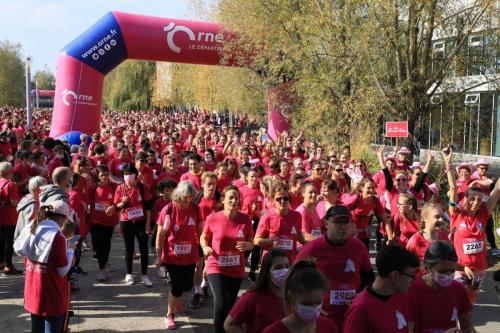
(49, 324)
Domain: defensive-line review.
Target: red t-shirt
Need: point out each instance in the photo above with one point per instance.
(98, 160)
(311, 223)
(286, 228)
(116, 166)
(317, 182)
(45, 291)
(167, 175)
(5, 150)
(266, 307)
(206, 207)
(321, 207)
(469, 237)
(195, 179)
(296, 200)
(362, 212)
(181, 234)
(101, 199)
(342, 265)
(53, 164)
(371, 313)
(223, 182)
(250, 196)
(405, 227)
(222, 234)
(418, 244)
(157, 208)
(436, 310)
(7, 211)
(323, 325)
(23, 172)
(134, 210)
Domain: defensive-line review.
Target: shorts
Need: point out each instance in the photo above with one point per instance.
(182, 278)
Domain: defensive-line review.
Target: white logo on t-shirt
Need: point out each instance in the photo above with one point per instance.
(454, 315)
(110, 196)
(349, 266)
(176, 227)
(401, 320)
(190, 221)
(294, 231)
(240, 234)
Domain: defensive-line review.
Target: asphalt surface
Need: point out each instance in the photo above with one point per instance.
(114, 307)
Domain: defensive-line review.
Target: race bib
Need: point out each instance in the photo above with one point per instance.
(285, 244)
(100, 207)
(473, 247)
(135, 213)
(316, 233)
(338, 297)
(121, 166)
(182, 249)
(229, 261)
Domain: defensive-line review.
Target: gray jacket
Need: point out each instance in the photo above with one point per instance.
(27, 209)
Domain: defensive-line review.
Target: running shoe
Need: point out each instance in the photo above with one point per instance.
(129, 279)
(147, 281)
(162, 272)
(170, 323)
(495, 252)
(196, 301)
(79, 271)
(101, 275)
(205, 296)
(11, 271)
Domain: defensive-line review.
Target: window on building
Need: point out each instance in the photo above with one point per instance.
(475, 64)
(438, 55)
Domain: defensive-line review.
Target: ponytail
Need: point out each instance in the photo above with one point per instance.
(45, 213)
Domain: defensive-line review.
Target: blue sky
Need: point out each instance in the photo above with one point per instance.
(45, 27)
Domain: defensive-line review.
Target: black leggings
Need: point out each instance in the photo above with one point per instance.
(7, 244)
(225, 290)
(182, 277)
(130, 231)
(101, 238)
(490, 235)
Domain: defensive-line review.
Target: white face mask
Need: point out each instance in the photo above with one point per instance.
(308, 313)
(443, 280)
(129, 179)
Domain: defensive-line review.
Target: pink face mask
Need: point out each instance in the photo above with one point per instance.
(443, 280)
(278, 276)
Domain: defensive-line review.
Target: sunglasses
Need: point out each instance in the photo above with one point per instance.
(359, 165)
(143, 161)
(402, 180)
(318, 169)
(482, 168)
(339, 170)
(282, 199)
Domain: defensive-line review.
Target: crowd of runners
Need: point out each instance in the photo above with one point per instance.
(211, 200)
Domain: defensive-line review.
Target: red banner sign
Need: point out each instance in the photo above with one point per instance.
(396, 129)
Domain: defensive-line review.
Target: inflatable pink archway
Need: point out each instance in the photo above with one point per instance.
(82, 64)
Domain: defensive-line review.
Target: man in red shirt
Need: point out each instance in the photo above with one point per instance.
(382, 306)
(344, 261)
(194, 173)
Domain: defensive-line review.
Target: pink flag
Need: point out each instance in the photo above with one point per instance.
(279, 106)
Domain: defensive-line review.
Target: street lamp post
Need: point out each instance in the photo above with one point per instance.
(28, 92)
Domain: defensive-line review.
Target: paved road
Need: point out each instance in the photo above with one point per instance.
(114, 307)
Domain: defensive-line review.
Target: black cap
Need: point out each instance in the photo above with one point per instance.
(339, 213)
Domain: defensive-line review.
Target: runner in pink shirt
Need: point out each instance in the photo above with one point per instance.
(226, 236)
(311, 223)
(264, 299)
(304, 289)
(177, 245)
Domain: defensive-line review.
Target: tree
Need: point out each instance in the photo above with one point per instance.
(129, 86)
(351, 62)
(45, 79)
(12, 75)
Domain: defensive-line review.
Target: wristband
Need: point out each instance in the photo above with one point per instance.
(453, 203)
(448, 168)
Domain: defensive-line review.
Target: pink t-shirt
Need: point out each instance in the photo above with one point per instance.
(323, 325)
(195, 179)
(267, 307)
(371, 313)
(181, 237)
(436, 310)
(222, 234)
(286, 228)
(342, 265)
(311, 223)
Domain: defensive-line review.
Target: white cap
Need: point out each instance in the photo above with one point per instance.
(61, 208)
